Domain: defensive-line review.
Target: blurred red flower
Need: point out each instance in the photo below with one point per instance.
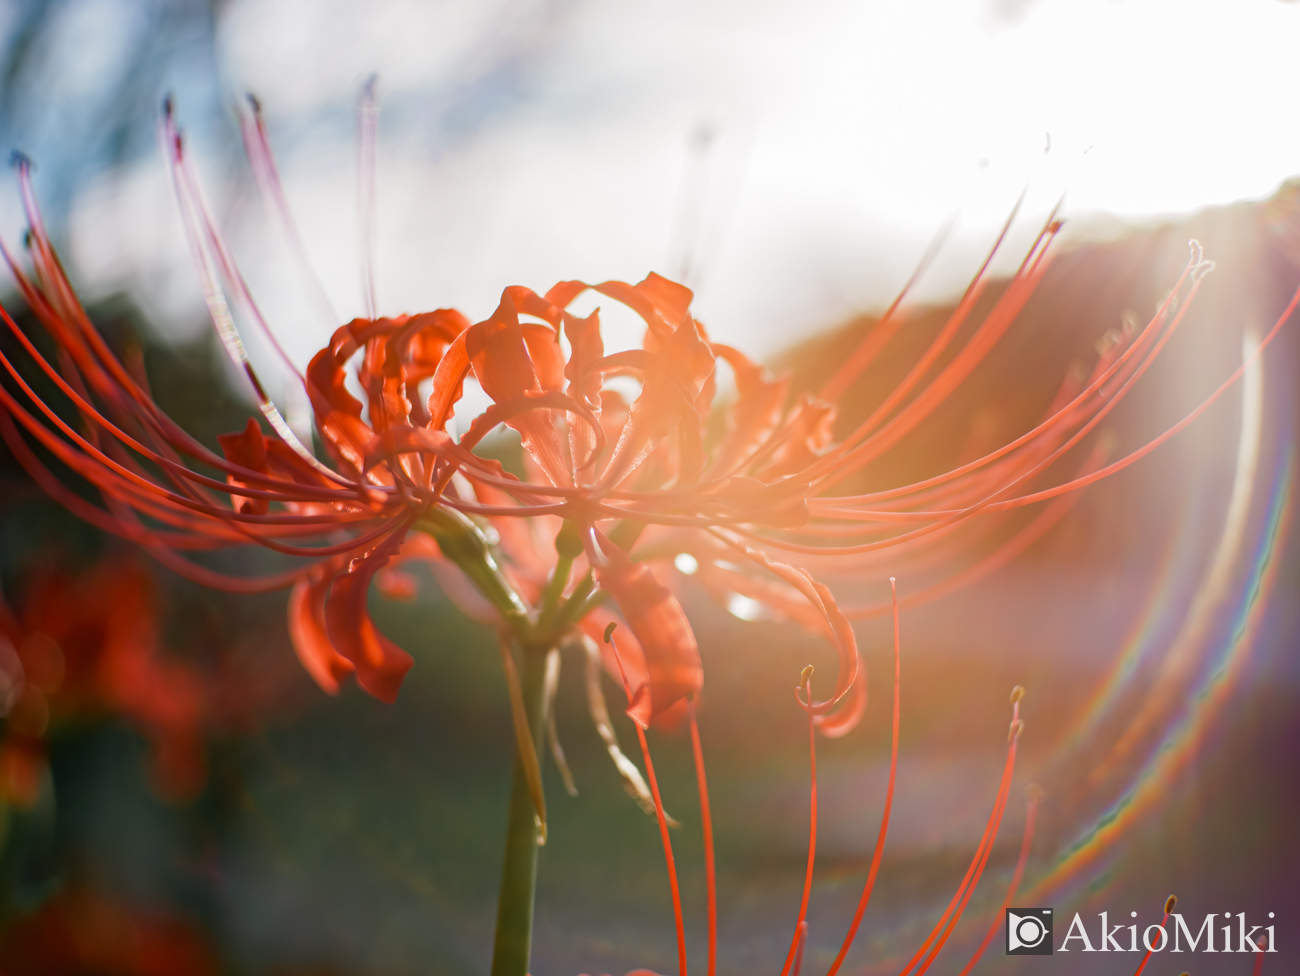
(85, 646)
(82, 931)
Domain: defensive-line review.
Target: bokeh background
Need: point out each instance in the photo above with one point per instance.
(189, 802)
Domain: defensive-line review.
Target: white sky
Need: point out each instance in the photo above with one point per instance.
(847, 132)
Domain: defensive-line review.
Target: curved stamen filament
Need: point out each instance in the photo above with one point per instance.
(801, 940)
(659, 814)
(706, 820)
(1031, 814)
(801, 925)
(952, 914)
(889, 804)
(1170, 902)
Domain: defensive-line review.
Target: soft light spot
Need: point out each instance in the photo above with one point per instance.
(686, 564)
(744, 607)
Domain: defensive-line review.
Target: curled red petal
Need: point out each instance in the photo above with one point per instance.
(422, 343)
(410, 440)
(529, 302)
(254, 451)
(672, 656)
(338, 412)
(661, 303)
(760, 402)
(839, 631)
(807, 434)
(676, 375)
(327, 378)
(513, 410)
(563, 293)
(448, 381)
(247, 449)
(380, 664)
(548, 359)
(586, 347)
(308, 633)
(500, 356)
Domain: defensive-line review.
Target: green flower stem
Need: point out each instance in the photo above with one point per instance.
(514, 934)
(568, 546)
(575, 607)
(463, 543)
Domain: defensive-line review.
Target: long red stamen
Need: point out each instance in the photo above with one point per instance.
(889, 803)
(193, 201)
(992, 503)
(991, 836)
(706, 820)
(659, 814)
(367, 125)
(1030, 815)
(977, 347)
(192, 214)
(884, 329)
(801, 935)
(850, 446)
(801, 925)
(1170, 902)
(258, 147)
(1004, 553)
(948, 920)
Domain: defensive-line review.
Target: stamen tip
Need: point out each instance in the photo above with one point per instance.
(169, 106)
(1017, 693)
(805, 675)
(1033, 792)
(1016, 728)
(254, 103)
(20, 160)
(1170, 902)
(609, 630)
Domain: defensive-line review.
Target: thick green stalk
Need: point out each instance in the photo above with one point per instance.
(519, 872)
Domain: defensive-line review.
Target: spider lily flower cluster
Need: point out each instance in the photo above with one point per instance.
(614, 493)
(617, 497)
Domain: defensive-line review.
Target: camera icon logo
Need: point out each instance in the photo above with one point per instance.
(1029, 931)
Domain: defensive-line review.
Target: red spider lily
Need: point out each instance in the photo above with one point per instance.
(637, 485)
(613, 494)
(87, 646)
